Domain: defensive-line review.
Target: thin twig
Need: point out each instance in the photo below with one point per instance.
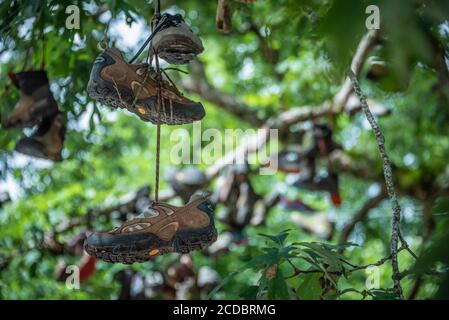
(359, 216)
(388, 175)
(378, 263)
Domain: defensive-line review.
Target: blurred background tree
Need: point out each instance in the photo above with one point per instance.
(283, 63)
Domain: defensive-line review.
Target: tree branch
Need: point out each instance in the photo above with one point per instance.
(199, 84)
(360, 215)
(365, 46)
(388, 174)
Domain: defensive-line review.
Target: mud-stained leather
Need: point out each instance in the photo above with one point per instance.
(169, 220)
(131, 76)
(31, 105)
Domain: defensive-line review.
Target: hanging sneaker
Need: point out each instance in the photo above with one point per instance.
(174, 41)
(160, 229)
(47, 142)
(117, 83)
(36, 100)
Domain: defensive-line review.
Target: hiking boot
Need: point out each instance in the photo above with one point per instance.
(36, 100)
(47, 142)
(119, 84)
(160, 229)
(175, 42)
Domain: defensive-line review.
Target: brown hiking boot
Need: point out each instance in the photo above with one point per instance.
(117, 83)
(36, 100)
(47, 142)
(174, 41)
(160, 229)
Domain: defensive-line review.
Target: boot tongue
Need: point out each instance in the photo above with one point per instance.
(115, 52)
(197, 195)
(149, 212)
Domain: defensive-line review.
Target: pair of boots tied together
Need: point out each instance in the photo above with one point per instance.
(140, 89)
(37, 106)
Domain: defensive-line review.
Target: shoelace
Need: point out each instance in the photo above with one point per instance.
(166, 21)
(163, 22)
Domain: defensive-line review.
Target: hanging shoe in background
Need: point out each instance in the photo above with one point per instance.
(186, 182)
(36, 100)
(324, 139)
(328, 183)
(295, 205)
(47, 142)
(118, 84)
(162, 228)
(223, 18)
(174, 41)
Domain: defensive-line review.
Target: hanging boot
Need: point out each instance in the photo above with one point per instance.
(223, 20)
(324, 139)
(174, 41)
(36, 100)
(47, 142)
(162, 228)
(119, 84)
(330, 184)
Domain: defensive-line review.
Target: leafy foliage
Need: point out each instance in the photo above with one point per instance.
(296, 56)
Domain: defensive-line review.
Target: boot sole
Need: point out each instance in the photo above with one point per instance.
(176, 45)
(123, 98)
(151, 247)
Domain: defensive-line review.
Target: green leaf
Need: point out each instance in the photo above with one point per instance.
(277, 287)
(279, 238)
(310, 288)
(333, 259)
(381, 294)
(250, 293)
